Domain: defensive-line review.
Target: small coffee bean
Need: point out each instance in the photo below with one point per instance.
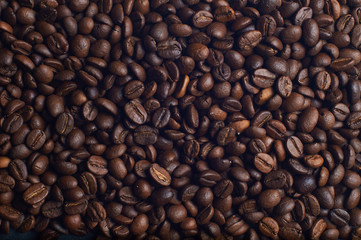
(35, 193)
(160, 175)
(269, 227)
(269, 198)
(35, 139)
(64, 123)
(294, 147)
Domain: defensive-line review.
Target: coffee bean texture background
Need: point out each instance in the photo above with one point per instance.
(180, 119)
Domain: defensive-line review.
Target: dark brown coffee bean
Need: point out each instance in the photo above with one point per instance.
(35, 139)
(145, 135)
(12, 123)
(294, 147)
(249, 40)
(169, 49)
(160, 175)
(64, 123)
(35, 193)
(264, 162)
(136, 112)
(308, 119)
(275, 129)
(275, 179)
(269, 227)
(52, 209)
(311, 204)
(97, 165)
(9, 213)
(318, 228)
(202, 19)
(310, 32)
(78, 207)
(269, 198)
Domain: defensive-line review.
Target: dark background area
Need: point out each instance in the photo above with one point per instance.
(13, 235)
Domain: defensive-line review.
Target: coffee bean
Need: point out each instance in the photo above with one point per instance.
(12, 123)
(308, 119)
(35, 139)
(275, 129)
(269, 198)
(249, 39)
(169, 49)
(72, 208)
(264, 162)
(275, 179)
(64, 123)
(290, 230)
(311, 204)
(353, 120)
(202, 19)
(310, 31)
(9, 213)
(305, 183)
(152, 137)
(318, 228)
(52, 209)
(269, 227)
(136, 112)
(35, 193)
(313, 161)
(97, 165)
(145, 135)
(294, 147)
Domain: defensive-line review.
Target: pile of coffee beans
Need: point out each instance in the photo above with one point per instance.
(181, 119)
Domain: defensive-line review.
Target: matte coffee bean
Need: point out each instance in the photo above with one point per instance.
(64, 123)
(97, 165)
(160, 175)
(249, 39)
(294, 147)
(305, 184)
(264, 162)
(269, 227)
(35, 139)
(275, 179)
(136, 112)
(202, 19)
(145, 135)
(308, 119)
(9, 213)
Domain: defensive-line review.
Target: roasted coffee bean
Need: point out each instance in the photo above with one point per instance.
(294, 147)
(269, 198)
(275, 179)
(269, 227)
(339, 217)
(264, 162)
(305, 184)
(97, 165)
(52, 209)
(160, 175)
(64, 123)
(181, 119)
(136, 112)
(9, 213)
(35, 139)
(35, 193)
(202, 19)
(145, 135)
(249, 40)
